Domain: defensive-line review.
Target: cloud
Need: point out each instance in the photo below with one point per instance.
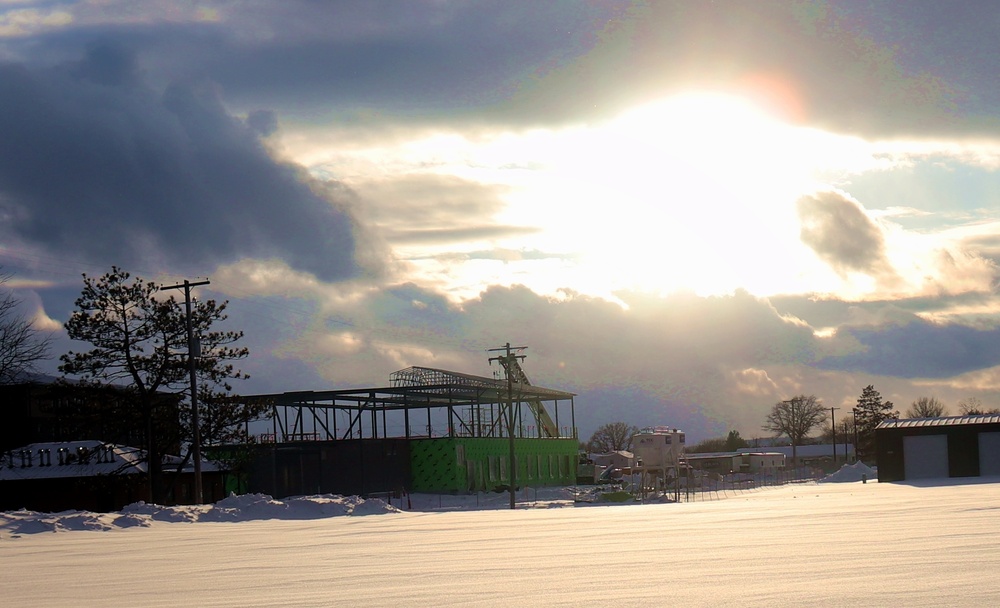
(817, 62)
(431, 209)
(837, 228)
(428, 200)
(27, 21)
(95, 164)
(875, 69)
(457, 235)
(754, 382)
(264, 122)
(704, 364)
(987, 246)
(426, 57)
(678, 362)
(919, 350)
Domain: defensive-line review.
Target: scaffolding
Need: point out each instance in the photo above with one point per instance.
(420, 402)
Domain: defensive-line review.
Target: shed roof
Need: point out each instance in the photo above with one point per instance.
(913, 423)
(710, 455)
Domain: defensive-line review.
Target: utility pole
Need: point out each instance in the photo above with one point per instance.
(855, 412)
(505, 361)
(833, 425)
(192, 355)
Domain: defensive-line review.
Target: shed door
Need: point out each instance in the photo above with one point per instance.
(925, 456)
(989, 454)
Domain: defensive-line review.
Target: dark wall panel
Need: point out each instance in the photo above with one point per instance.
(352, 467)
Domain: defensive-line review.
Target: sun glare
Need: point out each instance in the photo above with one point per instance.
(693, 192)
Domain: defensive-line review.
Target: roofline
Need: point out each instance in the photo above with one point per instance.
(912, 423)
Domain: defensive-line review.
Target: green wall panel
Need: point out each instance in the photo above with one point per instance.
(465, 464)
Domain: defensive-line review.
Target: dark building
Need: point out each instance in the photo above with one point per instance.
(55, 410)
(933, 448)
(46, 417)
(94, 476)
(349, 467)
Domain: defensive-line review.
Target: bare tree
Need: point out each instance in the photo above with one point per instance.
(795, 418)
(925, 407)
(611, 437)
(972, 406)
(21, 346)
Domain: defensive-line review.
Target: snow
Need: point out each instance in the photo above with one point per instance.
(857, 471)
(811, 544)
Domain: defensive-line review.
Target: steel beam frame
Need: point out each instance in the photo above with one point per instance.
(455, 404)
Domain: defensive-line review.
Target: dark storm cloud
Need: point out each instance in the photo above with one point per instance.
(264, 122)
(317, 59)
(918, 350)
(95, 164)
(874, 68)
(842, 234)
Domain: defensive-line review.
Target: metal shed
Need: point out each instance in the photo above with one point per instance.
(934, 448)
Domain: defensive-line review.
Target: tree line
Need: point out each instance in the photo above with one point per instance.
(798, 417)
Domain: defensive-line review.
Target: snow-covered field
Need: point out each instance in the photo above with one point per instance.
(814, 544)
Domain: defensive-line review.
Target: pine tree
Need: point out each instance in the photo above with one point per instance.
(139, 344)
(734, 441)
(868, 413)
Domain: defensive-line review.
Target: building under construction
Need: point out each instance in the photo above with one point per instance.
(430, 430)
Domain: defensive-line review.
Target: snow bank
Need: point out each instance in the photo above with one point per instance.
(858, 471)
(248, 507)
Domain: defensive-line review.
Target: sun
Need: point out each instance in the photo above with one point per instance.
(693, 192)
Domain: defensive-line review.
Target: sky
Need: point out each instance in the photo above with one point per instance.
(687, 211)
(814, 544)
